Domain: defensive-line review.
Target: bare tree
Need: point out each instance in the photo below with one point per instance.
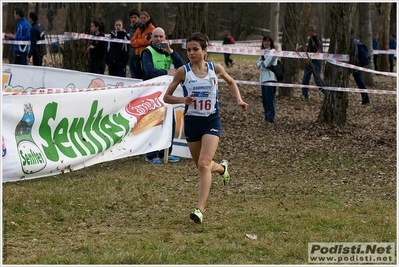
(274, 19)
(335, 104)
(10, 25)
(366, 36)
(392, 25)
(197, 22)
(292, 41)
(385, 8)
(79, 16)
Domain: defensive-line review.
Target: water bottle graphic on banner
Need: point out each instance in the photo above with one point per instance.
(30, 155)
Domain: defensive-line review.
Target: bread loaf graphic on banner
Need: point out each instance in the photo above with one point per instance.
(148, 110)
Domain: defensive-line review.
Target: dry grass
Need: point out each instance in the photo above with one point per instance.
(293, 183)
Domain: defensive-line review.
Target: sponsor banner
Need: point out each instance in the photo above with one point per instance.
(351, 252)
(56, 121)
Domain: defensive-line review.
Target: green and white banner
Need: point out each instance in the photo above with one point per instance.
(56, 121)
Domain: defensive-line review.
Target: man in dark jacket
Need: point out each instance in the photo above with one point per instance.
(228, 39)
(159, 59)
(36, 34)
(357, 74)
(312, 66)
(134, 16)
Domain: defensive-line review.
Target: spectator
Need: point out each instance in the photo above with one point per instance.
(228, 39)
(357, 75)
(142, 39)
(55, 48)
(170, 32)
(392, 45)
(22, 33)
(97, 48)
(36, 34)
(312, 66)
(376, 45)
(134, 16)
(117, 54)
(158, 61)
(266, 75)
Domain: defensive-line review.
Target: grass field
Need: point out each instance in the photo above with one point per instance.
(293, 182)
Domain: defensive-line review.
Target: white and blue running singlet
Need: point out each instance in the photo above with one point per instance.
(204, 90)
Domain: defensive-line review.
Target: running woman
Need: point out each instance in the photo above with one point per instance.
(202, 124)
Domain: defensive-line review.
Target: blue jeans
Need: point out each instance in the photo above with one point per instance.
(269, 102)
(161, 153)
(307, 74)
(357, 75)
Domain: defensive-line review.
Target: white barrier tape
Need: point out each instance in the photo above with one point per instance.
(80, 90)
(390, 51)
(355, 90)
(16, 42)
(215, 47)
(74, 35)
(347, 65)
(290, 54)
(147, 84)
(28, 42)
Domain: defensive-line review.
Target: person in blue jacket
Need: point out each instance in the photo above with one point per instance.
(392, 45)
(22, 33)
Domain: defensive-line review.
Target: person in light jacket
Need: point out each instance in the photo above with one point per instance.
(266, 75)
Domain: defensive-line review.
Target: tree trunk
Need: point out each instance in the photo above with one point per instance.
(383, 62)
(10, 28)
(366, 37)
(290, 42)
(79, 16)
(190, 18)
(37, 8)
(136, 6)
(393, 26)
(333, 111)
(274, 18)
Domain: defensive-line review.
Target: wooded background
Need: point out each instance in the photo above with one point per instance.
(245, 21)
(286, 22)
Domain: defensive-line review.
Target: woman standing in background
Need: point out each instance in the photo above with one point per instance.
(266, 75)
(117, 53)
(142, 39)
(97, 48)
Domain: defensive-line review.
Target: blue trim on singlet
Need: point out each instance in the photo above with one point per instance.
(185, 92)
(187, 67)
(210, 65)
